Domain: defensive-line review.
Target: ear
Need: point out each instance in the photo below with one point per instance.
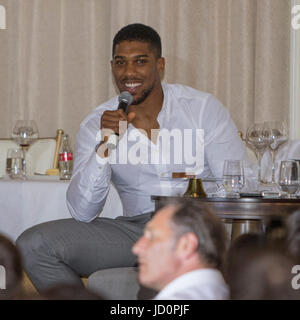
(160, 65)
(187, 245)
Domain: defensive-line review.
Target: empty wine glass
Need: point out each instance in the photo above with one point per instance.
(289, 177)
(258, 139)
(25, 133)
(278, 132)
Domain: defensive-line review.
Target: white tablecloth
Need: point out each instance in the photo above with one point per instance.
(24, 204)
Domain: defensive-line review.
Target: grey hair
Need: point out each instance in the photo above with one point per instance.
(192, 215)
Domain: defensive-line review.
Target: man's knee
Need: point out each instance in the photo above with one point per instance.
(30, 241)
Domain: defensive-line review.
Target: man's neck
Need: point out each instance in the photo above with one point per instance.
(149, 109)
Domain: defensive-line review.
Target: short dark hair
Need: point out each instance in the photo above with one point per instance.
(196, 217)
(138, 32)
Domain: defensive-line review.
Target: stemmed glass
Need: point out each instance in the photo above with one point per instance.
(289, 177)
(25, 133)
(258, 139)
(278, 132)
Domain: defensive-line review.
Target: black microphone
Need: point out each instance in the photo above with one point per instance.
(125, 100)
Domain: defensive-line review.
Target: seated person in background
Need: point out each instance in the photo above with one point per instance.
(11, 271)
(293, 234)
(69, 292)
(239, 251)
(61, 251)
(257, 269)
(181, 253)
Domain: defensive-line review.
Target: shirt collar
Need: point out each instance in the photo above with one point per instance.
(164, 114)
(196, 277)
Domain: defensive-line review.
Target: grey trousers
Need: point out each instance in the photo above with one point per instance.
(61, 251)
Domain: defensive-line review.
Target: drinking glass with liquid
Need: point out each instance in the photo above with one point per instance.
(289, 177)
(233, 177)
(15, 163)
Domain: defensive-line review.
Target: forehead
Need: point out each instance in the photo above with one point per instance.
(133, 48)
(162, 218)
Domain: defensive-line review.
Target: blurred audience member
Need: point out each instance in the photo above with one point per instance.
(257, 269)
(276, 231)
(240, 249)
(181, 252)
(70, 292)
(293, 234)
(11, 273)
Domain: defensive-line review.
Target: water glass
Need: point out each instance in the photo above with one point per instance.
(15, 163)
(233, 176)
(289, 177)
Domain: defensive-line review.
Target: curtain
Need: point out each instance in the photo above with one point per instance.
(55, 54)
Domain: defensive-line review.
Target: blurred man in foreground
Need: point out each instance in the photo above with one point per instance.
(181, 253)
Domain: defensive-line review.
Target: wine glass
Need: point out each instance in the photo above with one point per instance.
(25, 133)
(258, 139)
(278, 133)
(289, 177)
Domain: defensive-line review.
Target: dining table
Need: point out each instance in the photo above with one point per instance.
(37, 199)
(244, 214)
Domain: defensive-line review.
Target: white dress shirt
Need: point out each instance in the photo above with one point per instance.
(183, 108)
(202, 284)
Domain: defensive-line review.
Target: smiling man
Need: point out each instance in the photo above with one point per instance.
(62, 251)
(137, 67)
(181, 251)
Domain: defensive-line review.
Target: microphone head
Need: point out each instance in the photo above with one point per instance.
(126, 97)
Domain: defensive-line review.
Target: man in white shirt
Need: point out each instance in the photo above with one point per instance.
(181, 251)
(62, 251)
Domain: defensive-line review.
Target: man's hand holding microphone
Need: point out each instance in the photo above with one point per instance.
(110, 124)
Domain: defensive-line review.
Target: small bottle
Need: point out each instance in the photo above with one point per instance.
(65, 159)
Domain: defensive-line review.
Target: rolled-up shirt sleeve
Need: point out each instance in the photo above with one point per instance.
(90, 182)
